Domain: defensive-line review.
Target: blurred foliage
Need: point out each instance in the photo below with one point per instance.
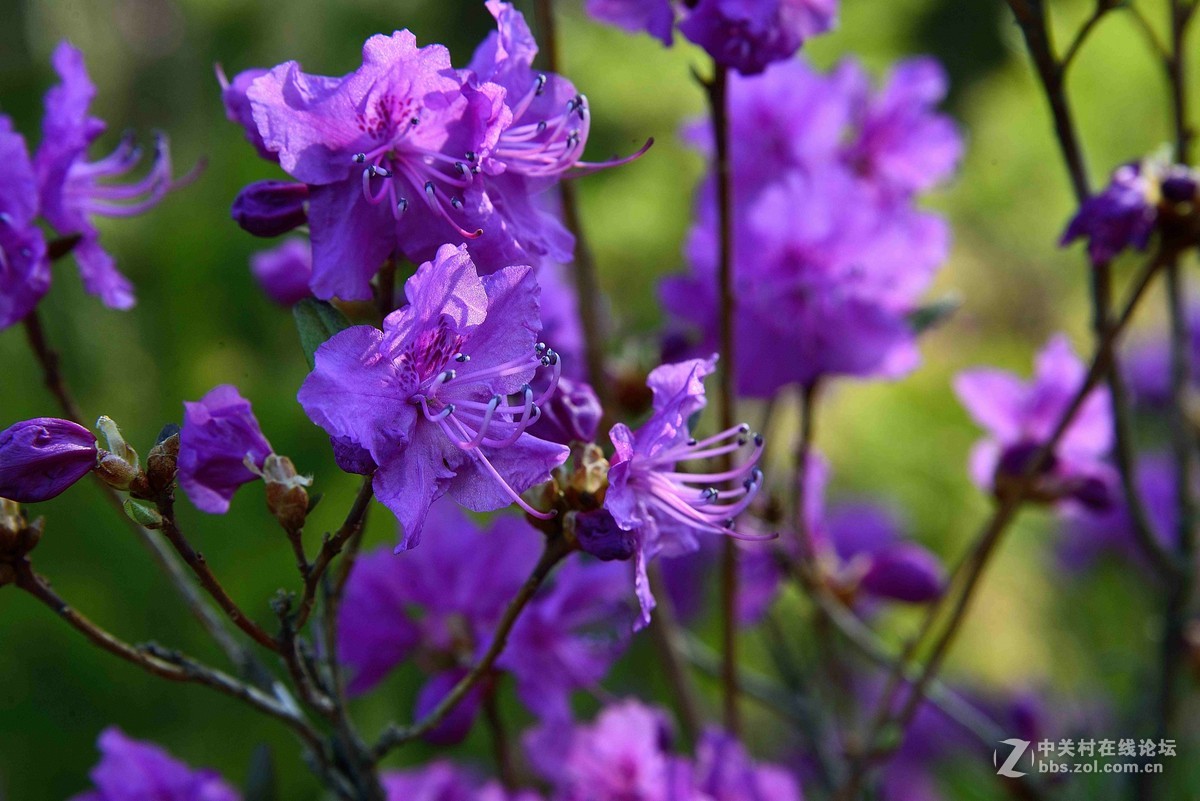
(202, 321)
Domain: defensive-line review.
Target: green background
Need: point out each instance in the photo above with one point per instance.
(202, 321)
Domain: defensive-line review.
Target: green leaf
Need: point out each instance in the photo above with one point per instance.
(317, 321)
(924, 318)
(261, 783)
(144, 513)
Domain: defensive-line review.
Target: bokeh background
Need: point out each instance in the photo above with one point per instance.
(202, 321)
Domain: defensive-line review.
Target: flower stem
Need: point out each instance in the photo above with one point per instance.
(501, 747)
(718, 109)
(557, 549)
(332, 547)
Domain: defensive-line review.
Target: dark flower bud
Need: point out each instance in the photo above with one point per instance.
(40, 458)
(572, 414)
(905, 573)
(162, 460)
(1179, 185)
(286, 496)
(352, 457)
(17, 538)
(119, 465)
(271, 208)
(598, 534)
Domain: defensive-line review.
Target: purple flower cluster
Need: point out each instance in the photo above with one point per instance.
(439, 605)
(67, 190)
(831, 253)
(744, 35)
(407, 153)
(440, 401)
(1020, 416)
(627, 754)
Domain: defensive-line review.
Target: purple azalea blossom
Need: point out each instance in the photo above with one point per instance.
(131, 770)
(239, 110)
(747, 35)
(624, 754)
(73, 190)
(1121, 216)
(860, 548)
(744, 35)
(664, 508)
(831, 254)
(283, 271)
(1020, 415)
(725, 772)
(442, 602)
(389, 153)
(440, 398)
(220, 435)
(41, 458)
(1088, 534)
(24, 269)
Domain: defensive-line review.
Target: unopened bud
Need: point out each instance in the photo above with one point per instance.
(115, 471)
(162, 460)
(144, 513)
(286, 497)
(117, 445)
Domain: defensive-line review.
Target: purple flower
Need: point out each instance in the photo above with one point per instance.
(1019, 417)
(389, 152)
(441, 398)
(271, 208)
(440, 780)
(239, 110)
(441, 604)
(24, 269)
(902, 143)
(725, 772)
(624, 754)
(283, 271)
(665, 508)
(1121, 216)
(689, 578)
(1147, 362)
(569, 636)
(747, 35)
(571, 414)
(131, 770)
(73, 190)
(219, 440)
(655, 17)
(1088, 534)
(40, 458)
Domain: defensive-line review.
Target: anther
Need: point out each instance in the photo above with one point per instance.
(456, 203)
(462, 168)
(471, 156)
(379, 171)
(461, 357)
(541, 85)
(692, 442)
(402, 204)
(744, 428)
(359, 158)
(539, 347)
(758, 440)
(429, 188)
(729, 523)
(541, 126)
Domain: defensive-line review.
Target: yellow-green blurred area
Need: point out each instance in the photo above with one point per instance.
(201, 321)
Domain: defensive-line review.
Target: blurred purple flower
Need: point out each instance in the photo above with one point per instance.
(283, 271)
(41, 458)
(440, 780)
(441, 397)
(131, 770)
(689, 577)
(1019, 416)
(571, 414)
(1147, 362)
(1089, 534)
(725, 772)
(744, 35)
(747, 35)
(271, 208)
(24, 269)
(441, 603)
(72, 189)
(666, 509)
(1121, 216)
(220, 435)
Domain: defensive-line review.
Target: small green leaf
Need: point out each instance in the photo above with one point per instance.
(317, 321)
(924, 318)
(144, 513)
(261, 784)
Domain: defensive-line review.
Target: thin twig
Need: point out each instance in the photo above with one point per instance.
(501, 747)
(1083, 33)
(557, 549)
(208, 580)
(332, 547)
(668, 639)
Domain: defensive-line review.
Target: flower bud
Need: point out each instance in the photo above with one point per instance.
(286, 496)
(162, 460)
(17, 538)
(904, 573)
(116, 442)
(40, 458)
(271, 208)
(598, 534)
(115, 471)
(352, 457)
(572, 414)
